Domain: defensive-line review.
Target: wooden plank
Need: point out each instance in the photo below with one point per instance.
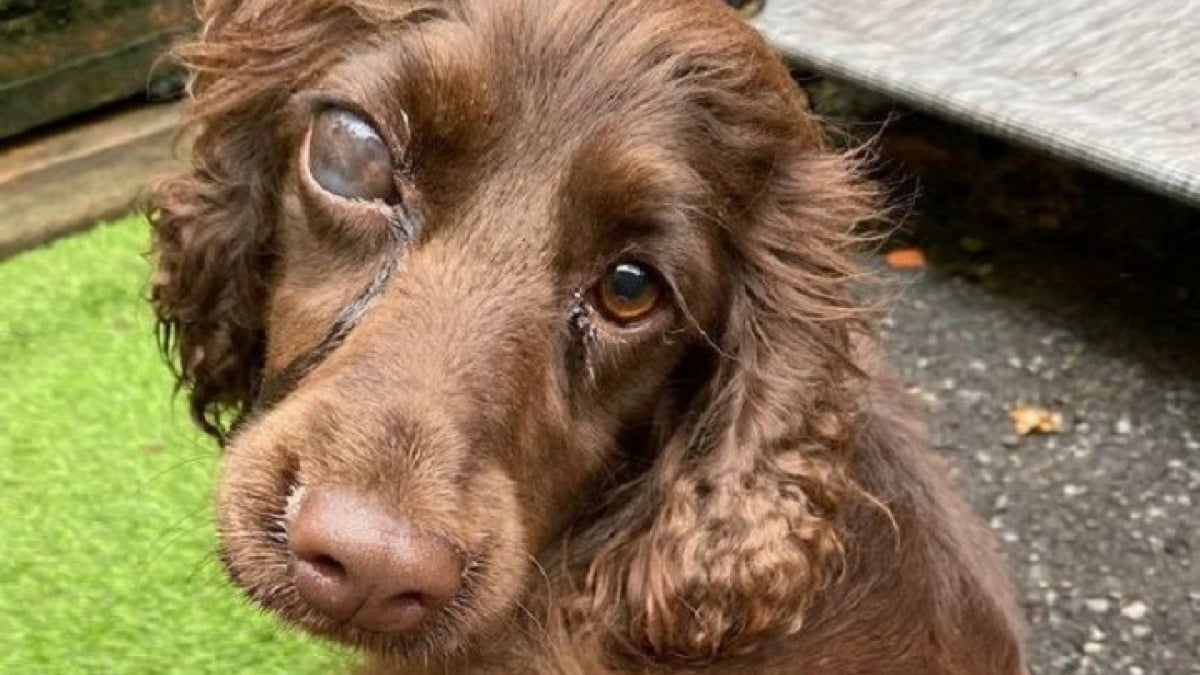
(62, 57)
(65, 182)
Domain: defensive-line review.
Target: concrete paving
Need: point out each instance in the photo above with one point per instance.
(1052, 287)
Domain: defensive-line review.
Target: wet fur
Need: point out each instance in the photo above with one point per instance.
(737, 487)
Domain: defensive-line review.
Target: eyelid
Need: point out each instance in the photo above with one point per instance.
(311, 103)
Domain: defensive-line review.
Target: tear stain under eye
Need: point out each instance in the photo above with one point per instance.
(279, 387)
(274, 390)
(580, 319)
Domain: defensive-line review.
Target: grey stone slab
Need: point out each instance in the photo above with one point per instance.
(1111, 84)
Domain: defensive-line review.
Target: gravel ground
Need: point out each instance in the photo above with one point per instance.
(1051, 287)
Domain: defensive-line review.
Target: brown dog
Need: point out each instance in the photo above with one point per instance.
(535, 320)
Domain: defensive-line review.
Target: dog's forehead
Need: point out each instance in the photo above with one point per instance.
(556, 64)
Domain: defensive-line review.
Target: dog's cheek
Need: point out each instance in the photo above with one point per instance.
(640, 383)
(256, 475)
(496, 533)
(250, 498)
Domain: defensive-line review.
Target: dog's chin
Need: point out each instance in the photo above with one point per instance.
(440, 640)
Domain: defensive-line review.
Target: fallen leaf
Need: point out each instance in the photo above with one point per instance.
(1029, 420)
(906, 259)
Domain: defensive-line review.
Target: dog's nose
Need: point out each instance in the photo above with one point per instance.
(358, 563)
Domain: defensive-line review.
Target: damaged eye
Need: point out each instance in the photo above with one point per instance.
(629, 292)
(347, 157)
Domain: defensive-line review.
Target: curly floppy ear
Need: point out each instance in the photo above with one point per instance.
(212, 225)
(737, 525)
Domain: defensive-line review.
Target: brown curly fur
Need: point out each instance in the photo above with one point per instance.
(743, 489)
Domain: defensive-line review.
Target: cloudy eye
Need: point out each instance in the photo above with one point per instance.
(348, 158)
(628, 293)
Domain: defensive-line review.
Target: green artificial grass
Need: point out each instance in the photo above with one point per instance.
(106, 537)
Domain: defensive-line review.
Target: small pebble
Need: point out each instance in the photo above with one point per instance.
(1072, 491)
(1097, 605)
(1134, 611)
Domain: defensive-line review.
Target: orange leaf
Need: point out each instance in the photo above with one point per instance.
(1029, 420)
(906, 259)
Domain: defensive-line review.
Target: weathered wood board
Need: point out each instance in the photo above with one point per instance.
(56, 184)
(63, 57)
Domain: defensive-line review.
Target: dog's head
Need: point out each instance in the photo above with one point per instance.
(481, 279)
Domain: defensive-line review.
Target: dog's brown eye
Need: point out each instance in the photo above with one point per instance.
(628, 293)
(347, 157)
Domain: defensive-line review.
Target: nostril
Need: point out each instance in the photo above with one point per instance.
(327, 566)
(398, 612)
(407, 602)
